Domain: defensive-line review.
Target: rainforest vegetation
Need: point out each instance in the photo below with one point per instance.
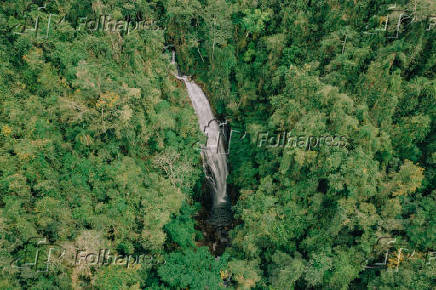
(97, 134)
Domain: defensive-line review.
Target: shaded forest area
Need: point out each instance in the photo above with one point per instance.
(96, 142)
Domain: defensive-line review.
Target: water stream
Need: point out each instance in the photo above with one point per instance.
(213, 153)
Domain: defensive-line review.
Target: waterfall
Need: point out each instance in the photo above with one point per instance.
(214, 152)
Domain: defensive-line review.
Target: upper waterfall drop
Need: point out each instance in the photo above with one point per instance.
(214, 152)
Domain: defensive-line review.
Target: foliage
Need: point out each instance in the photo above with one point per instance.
(96, 141)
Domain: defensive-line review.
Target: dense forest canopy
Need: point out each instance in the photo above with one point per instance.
(96, 139)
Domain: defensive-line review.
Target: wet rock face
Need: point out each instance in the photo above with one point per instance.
(221, 216)
(215, 236)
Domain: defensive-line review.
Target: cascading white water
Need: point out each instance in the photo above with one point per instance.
(214, 153)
